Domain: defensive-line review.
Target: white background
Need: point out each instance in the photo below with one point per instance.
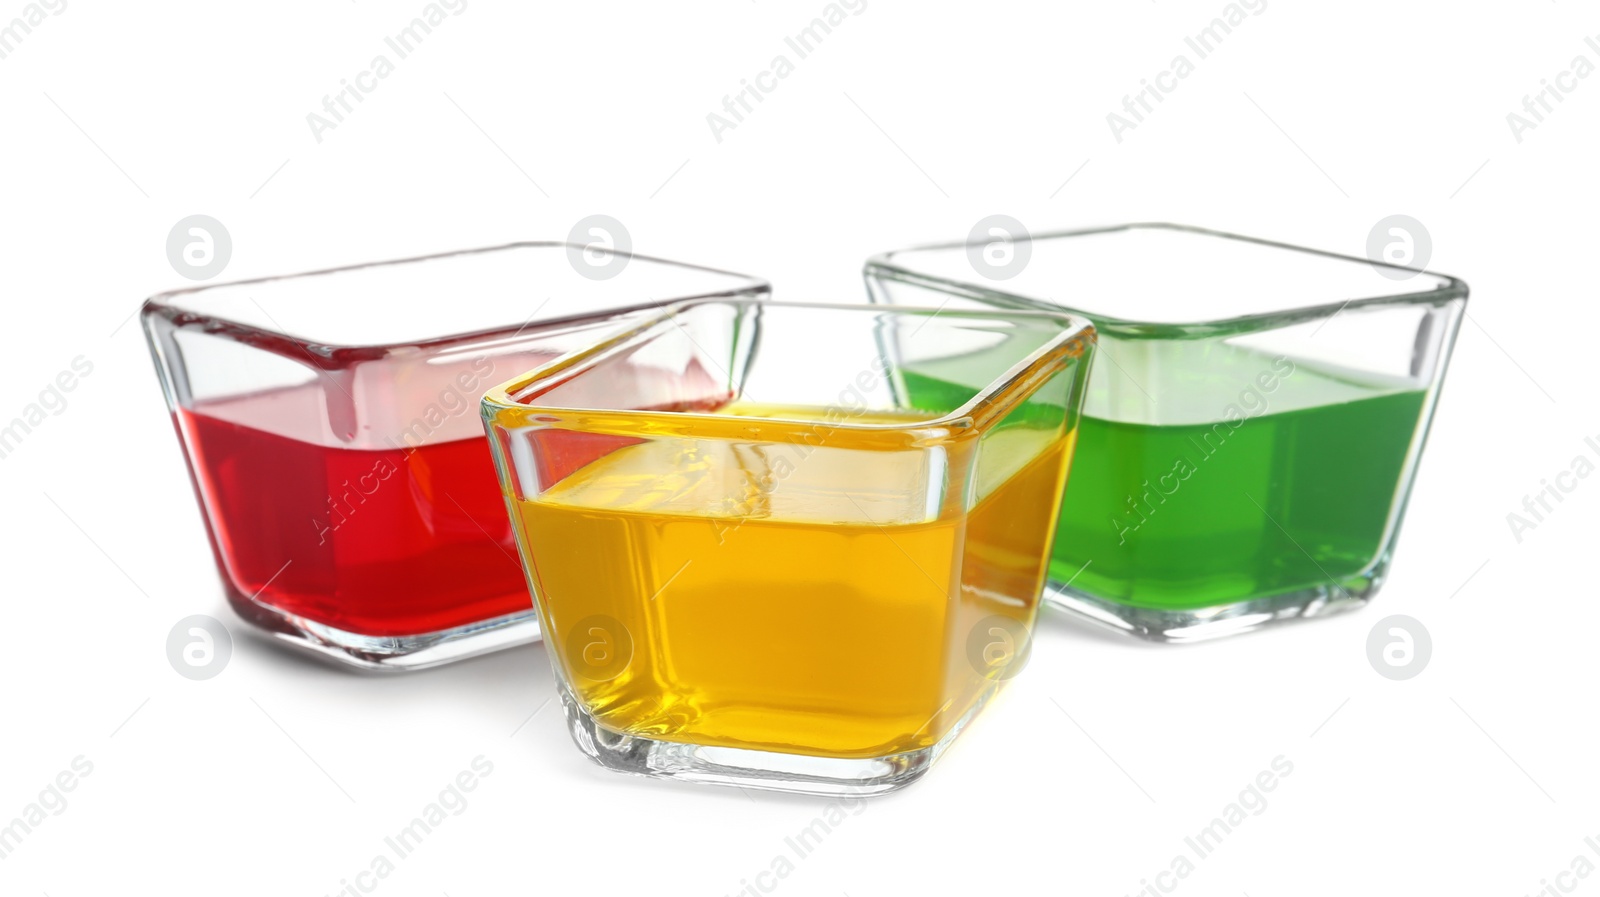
(910, 122)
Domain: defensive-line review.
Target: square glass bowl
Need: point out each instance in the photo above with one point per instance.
(762, 559)
(329, 424)
(1253, 424)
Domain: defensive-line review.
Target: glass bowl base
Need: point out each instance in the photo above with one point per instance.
(744, 768)
(389, 653)
(1157, 625)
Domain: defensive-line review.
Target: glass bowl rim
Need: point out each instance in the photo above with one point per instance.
(1074, 341)
(883, 265)
(165, 304)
